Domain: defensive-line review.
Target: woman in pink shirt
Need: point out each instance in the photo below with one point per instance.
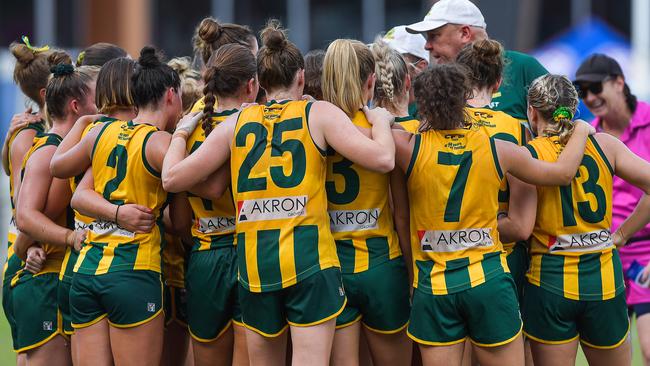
(602, 87)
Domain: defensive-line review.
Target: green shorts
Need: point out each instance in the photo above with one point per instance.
(175, 306)
(554, 319)
(379, 297)
(212, 293)
(127, 298)
(63, 298)
(36, 312)
(8, 308)
(488, 314)
(314, 300)
(518, 262)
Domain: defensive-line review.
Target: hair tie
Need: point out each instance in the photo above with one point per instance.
(562, 112)
(62, 69)
(80, 58)
(32, 48)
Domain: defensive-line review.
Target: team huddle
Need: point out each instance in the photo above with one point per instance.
(334, 208)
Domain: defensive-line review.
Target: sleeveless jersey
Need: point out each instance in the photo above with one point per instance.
(173, 257)
(200, 104)
(455, 241)
(409, 123)
(499, 125)
(278, 183)
(360, 217)
(122, 175)
(14, 263)
(54, 253)
(81, 222)
(572, 253)
(214, 221)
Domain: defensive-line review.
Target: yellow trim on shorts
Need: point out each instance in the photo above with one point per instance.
(345, 302)
(133, 325)
(386, 331)
(543, 341)
(92, 322)
(239, 324)
(206, 340)
(349, 323)
(609, 347)
(68, 333)
(59, 331)
(521, 329)
(429, 343)
(267, 335)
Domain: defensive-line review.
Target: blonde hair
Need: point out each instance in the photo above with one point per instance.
(546, 94)
(391, 72)
(347, 65)
(190, 81)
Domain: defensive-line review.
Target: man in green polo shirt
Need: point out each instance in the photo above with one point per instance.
(452, 24)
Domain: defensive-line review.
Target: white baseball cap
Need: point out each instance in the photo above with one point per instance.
(404, 42)
(449, 11)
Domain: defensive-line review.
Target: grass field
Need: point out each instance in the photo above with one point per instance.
(8, 358)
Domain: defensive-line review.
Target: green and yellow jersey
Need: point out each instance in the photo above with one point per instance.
(14, 263)
(173, 257)
(572, 253)
(360, 216)
(81, 222)
(214, 221)
(409, 123)
(500, 126)
(455, 241)
(54, 253)
(122, 175)
(278, 184)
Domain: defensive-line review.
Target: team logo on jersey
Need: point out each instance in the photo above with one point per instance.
(276, 208)
(101, 227)
(217, 224)
(47, 325)
(456, 141)
(447, 241)
(353, 220)
(591, 241)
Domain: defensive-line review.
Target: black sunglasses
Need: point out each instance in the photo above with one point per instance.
(594, 87)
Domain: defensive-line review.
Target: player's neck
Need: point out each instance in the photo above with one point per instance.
(226, 104)
(400, 108)
(61, 126)
(480, 98)
(154, 117)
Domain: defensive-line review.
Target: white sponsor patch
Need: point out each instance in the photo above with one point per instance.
(447, 241)
(276, 208)
(151, 307)
(591, 241)
(353, 220)
(12, 229)
(102, 227)
(47, 325)
(80, 225)
(217, 224)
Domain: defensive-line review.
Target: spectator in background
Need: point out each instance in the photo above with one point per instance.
(601, 85)
(450, 25)
(411, 47)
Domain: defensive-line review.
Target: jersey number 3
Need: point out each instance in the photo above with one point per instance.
(584, 207)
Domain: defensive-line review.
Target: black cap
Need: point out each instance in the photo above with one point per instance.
(597, 67)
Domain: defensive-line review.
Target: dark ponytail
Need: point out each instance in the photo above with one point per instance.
(630, 99)
(151, 78)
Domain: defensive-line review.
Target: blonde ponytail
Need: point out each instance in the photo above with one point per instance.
(391, 71)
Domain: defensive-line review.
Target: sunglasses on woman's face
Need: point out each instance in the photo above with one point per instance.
(595, 88)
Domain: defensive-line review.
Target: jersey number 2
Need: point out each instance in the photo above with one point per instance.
(116, 159)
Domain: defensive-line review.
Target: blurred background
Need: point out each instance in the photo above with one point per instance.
(560, 33)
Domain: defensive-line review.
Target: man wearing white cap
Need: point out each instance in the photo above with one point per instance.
(411, 47)
(452, 24)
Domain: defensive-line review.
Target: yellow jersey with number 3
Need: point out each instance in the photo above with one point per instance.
(122, 175)
(278, 183)
(455, 241)
(572, 253)
(360, 217)
(214, 221)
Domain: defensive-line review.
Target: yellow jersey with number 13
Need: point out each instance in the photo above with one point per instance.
(278, 183)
